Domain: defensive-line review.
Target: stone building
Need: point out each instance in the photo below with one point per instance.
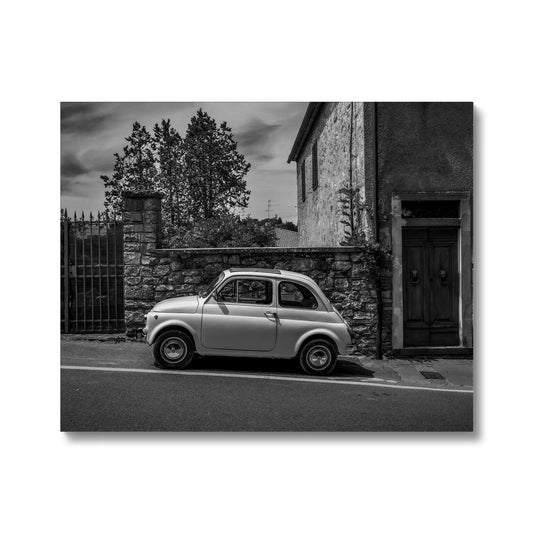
(410, 165)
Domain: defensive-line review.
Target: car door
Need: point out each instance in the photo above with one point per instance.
(241, 316)
(299, 311)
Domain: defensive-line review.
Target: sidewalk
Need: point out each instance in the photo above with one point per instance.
(439, 372)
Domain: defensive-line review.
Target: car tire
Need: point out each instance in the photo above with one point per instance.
(173, 350)
(318, 357)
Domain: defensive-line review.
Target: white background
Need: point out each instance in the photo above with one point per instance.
(53, 51)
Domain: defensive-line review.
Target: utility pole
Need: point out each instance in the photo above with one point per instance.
(269, 205)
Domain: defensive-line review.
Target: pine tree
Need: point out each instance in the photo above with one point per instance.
(214, 169)
(167, 146)
(134, 171)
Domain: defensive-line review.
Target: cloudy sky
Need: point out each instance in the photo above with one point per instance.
(92, 132)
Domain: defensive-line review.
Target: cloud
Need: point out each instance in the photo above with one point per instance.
(255, 139)
(71, 166)
(84, 117)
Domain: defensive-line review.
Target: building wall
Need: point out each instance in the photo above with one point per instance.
(422, 147)
(339, 131)
(396, 147)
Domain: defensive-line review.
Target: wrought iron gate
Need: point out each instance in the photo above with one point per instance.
(92, 274)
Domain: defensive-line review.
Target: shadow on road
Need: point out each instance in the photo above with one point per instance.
(272, 366)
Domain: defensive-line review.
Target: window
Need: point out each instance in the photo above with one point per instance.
(302, 175)
(228, 293)
(246, 291)
(255, 291)
(430, 208)
(295, 295)
(315, 166)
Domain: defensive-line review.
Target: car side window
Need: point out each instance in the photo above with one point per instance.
(228, 293)
(246, 291)
(296, 295)
(255, 291)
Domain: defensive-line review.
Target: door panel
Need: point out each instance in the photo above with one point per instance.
(233, 324)
(430, 287)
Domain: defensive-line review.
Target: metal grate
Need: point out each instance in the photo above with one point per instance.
(92, 274)
(431, 375)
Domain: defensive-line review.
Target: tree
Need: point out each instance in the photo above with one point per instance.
(214, 169)
(167, 146)
(135, 170)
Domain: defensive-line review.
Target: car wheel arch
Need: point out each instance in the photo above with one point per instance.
(313, 337)
(174, 327)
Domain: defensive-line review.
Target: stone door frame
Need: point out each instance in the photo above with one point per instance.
(464, 225)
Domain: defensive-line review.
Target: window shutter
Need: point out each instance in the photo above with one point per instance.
(302, 173)
(315, 166)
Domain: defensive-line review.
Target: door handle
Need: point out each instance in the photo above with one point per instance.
(270, 314)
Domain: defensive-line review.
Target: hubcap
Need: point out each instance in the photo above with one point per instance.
(174, 349)
(319, 356)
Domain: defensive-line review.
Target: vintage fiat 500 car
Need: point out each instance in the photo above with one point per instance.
(251, 313)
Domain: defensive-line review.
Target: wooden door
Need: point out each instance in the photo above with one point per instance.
(430, 287)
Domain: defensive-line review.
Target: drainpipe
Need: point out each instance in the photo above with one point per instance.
(352, 226)
(379, 298)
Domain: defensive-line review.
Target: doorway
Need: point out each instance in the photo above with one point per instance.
(430, 286)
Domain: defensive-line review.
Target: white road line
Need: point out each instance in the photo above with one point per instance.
(260, 376)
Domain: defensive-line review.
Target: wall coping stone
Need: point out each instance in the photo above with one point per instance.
(264, 249)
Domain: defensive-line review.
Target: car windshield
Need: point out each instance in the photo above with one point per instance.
(212, 285)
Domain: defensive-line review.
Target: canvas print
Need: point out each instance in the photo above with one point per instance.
(266, 266)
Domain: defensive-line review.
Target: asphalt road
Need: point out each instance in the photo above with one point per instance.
(127, 393)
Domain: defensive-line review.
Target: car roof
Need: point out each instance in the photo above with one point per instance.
(289, 274)
(255, 270)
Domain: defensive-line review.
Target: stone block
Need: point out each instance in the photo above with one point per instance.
(302, 265)
(161, 270)
(132, 258)
(341, 284)
(176, 265)
(342, 266)
(167, 288)
(131, 271)
(176, 278)
(148, 260)
(131, 246)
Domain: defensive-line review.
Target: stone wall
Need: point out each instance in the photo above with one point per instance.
(152, 274)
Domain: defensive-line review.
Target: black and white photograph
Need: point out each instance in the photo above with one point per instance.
(267, 266)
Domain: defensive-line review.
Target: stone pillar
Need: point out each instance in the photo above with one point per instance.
(142, 236)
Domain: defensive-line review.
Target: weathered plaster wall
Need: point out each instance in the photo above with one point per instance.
(338, 125)
(152, 274)
(422, 147)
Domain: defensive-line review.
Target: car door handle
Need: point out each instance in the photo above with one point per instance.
(270, 314)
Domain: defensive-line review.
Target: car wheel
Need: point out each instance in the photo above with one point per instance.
(173, 349)
(318, 357)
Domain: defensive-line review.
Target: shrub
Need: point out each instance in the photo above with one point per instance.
(227, 231)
